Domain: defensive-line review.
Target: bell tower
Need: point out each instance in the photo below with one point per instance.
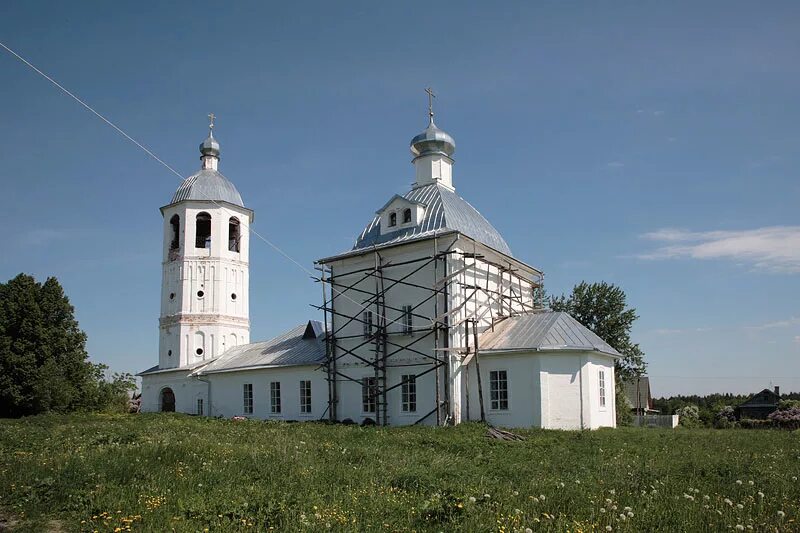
(205, 268)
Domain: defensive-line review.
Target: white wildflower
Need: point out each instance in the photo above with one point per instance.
(535, 499)
(627, 509)
(739, 527)
(738, 481)
(609, 528)
(561, 484)
(760, 494)
(541, 497)
(630, 514)
(726, 500)
(622, 517)
(602, 510)
(608, 501)
(515, 493)
(739, 506)
(517, 511)
(486, 496)
(781, 514)
(706, 497)
(751, 483)
(528, 530)
(472, 499)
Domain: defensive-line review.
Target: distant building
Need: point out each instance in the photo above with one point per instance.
(759, 405)
(637, 391)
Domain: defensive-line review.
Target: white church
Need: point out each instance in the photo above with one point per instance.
(428, 319)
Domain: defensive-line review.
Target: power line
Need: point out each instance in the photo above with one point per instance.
(168, 167)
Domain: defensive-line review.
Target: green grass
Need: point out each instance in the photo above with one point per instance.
(181, 473)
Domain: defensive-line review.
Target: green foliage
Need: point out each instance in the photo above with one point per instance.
(602, 308)
(624, 413)
(785, 405)
(43, 361)
(689, 416)
(171, 472)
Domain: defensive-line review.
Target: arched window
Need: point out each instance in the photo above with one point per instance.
(203, 231)
(175, 233)
(233, 234)
(392, 219)
(406, 216)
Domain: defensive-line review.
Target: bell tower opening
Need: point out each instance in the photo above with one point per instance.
(203, 231)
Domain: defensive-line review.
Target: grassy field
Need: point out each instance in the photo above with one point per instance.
(181, 473)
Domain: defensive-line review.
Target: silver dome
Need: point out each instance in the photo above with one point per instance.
(208, 185)
(210, 146)
(433, 141)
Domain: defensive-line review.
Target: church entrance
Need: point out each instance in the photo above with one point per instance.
(167, 400)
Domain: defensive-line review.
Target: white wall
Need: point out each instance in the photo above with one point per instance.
(186, 390)
(227, 392)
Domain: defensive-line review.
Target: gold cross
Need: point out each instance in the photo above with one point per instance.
(211, 117)
(431, 96)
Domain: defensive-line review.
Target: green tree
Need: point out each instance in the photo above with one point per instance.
(602, 308)
(43, 361)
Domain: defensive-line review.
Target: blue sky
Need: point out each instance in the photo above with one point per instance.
(652, 145)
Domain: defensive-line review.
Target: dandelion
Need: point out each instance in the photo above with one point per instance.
(627, 509)
(738, 481)
(561, 484)
(760, 494)
(706, 497)
(602, 510)
(739, 506)
(781, 514)
(622, 517)
(578, 481)
(739, 527)
(528, 530)
(726, 500)
(751, 483)
(535, 499)
(517, 511)
(515, 493)
(486, 496)
(794, 478)
(609, 528)
(630, 514)
(472, 499)
(541, 497)
(608, 501)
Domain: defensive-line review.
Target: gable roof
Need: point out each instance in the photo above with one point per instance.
(764, 398)
(445, 211)
(301, 345)
(396, 197)
(545, 331)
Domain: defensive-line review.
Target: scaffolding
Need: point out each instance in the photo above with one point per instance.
(456, 277)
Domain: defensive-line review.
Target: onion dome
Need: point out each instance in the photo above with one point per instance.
(210, 146)
(433, 141)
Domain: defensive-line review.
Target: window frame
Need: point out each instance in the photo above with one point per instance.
(369, 384)
(306, 406)
(392, 219)
(408, 217)
(205, 217)
(199, 407)
(601, 387)
(407, 321)
(408, 394)
(496, 404)
(234, 244)
(366, 319)
(274, 397)
(247, 398)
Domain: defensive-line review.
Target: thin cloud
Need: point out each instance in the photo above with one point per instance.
(771, 249)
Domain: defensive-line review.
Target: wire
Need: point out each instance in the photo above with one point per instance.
(168, 167)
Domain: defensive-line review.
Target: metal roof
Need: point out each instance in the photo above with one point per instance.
(157, 370)
(208, 185)
(546, 331)
(302, 345)
(630, 387)
(445, 211)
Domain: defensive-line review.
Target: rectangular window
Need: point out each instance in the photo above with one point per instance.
(407, 320)
(369, 388)
(200, 406)
(408, 393)
(305, 396)
(367, 319)
(248, 398)
(275, 397)
(602, 379)
(498, 389)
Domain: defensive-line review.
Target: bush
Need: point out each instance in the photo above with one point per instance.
(785, 405)
(748, 423)
(689, 416)
(787, 418)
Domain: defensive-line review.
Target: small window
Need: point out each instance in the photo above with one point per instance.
(248, 398)
(367, 320)
(305, 396)
(200, 294)
(203, 231)
(233, 296)
(275, 397)
(369, 394)
(200, 406)
(498, 390)
(233, 234)
(175, 232)
(408, 325)
(392, 219)
(406, 216)
(169, 353)
(602, 379)
(409, 394)
(172, 296)
(199, 351)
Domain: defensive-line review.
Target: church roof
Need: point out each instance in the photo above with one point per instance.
(445, 211)
(545, 331)
(208, 185)
(302, 345)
